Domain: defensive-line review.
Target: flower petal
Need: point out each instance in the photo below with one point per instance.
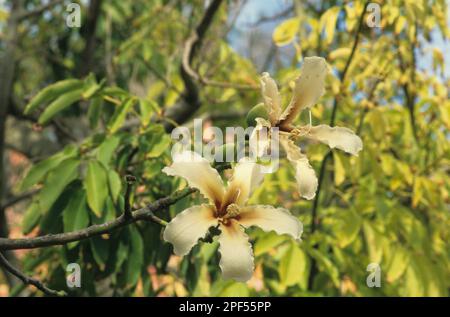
(270, 218)
(272, 98)
(337, 137)
(199, 174)
(187, 227)
(305, 174)
(247, 176)
(236, 254)
(260, 138)
(309, 87)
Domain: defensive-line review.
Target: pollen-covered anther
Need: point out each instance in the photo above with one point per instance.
(232, 211)
(300, 131)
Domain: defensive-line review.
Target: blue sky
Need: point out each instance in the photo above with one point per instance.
(253, 10)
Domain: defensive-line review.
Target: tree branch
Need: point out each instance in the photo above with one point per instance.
(145, 213)
(349, 61)
(314, 210)
(191, 99)
(38, 10)
(130, 179)
(333, 118)
(19, 198)
(88, 33)
(28, 280)
(7, 70)
(406, 87)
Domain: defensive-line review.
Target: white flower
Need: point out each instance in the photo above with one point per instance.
(226, 209)
(309, 87)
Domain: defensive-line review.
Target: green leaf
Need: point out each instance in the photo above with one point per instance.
(146, 109)
(347, 227)
(233, 289)
(96, 185)
(373, 242)
(56, 181)
(154, 141)
(100, 251)
(106, 149)
(326, 265)
(51, 221)
(59, 104)
(258, 111)
(415, 284)
(268, 242)
(286, 31)
(52, 91)
(121, 255)
(76, 214)
(91, 87)
(94, 111)
(115, 184)
(120, 114)
(293, 267)
(31, 218)
(135, 257)
(37, 172)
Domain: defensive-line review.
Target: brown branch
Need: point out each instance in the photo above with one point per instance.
(349, 61)
(18, 199)
(56, 123)
(88, 33)
(39, 10)
(407, 91)
(333, 117)
(145, 213)
(28, 280)
(314, 210)
(191, 99)
(7, 70)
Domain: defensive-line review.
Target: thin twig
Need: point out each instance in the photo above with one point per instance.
(333, 118)
(39, 10)
(349, 61)
(314, 210)
(19, 198)
(191, 99)
(28, 280)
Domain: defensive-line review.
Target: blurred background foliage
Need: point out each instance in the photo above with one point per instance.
(118, 75)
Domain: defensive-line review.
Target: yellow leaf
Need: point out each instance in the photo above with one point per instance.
(328, 23)
(400, 24)
(373, 242)
(397, 264)
(347, 227)
(293, 267)
(286, 31)
(342, 52)
(417, 192)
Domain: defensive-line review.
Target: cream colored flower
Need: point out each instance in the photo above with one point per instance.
(309, 87)
(226, 209)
